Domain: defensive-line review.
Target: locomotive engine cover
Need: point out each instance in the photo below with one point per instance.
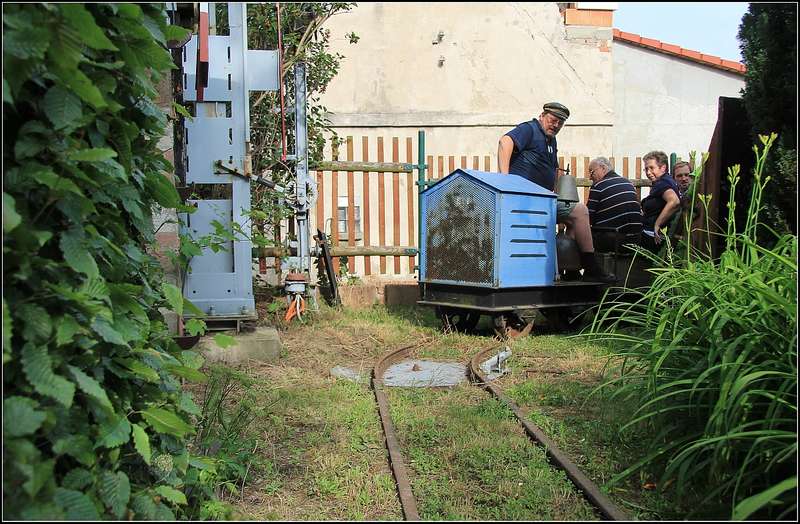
(487, 230)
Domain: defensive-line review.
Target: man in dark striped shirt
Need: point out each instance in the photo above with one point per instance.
(612, 200)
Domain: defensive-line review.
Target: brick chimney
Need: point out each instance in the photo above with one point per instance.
(589, 23)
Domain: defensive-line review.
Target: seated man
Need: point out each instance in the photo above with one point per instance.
(613, 202)
(530, 151)
(682, 173)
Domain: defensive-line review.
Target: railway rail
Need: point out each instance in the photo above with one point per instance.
(591, 492)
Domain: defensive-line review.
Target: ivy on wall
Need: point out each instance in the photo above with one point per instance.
(95, 422)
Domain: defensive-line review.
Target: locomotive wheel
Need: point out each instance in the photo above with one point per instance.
(457, 319)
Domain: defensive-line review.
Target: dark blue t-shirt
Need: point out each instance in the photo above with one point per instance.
(654, 203)
(535, 156)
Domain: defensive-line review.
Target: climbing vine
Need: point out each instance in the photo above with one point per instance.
(95, 422)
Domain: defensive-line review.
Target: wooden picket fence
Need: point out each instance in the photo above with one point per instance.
(389, 213)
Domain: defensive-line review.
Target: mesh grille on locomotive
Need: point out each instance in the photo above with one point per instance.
(460, 240)
(487, 230)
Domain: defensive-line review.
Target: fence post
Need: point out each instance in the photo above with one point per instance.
(335, 205)
(396, 203)
(381, 208)
(365, 211)
(351, 207)
(410, 200)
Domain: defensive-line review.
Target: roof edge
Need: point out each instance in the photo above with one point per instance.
(679, 52)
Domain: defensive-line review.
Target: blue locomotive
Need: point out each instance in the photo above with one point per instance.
(490, 247)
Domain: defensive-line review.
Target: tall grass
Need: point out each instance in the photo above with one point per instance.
(711, 350)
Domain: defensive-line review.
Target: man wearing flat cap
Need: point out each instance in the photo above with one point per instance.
(530, 150)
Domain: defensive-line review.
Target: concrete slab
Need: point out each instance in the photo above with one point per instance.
(425, 374)
(263, 345)
(349, 374)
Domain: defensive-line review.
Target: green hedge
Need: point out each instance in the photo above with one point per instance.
(95, 421)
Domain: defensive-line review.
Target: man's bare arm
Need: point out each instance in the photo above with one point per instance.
(673, 203)
(504, 150)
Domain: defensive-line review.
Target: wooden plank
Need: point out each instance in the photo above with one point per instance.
(451, 164)
(487, 163)
(476, 162)
(335, 207)
(626, 172)
(396, 202)
(613, 163)
(381, 208)
(320, 201)
(412, 226)
(440, 170)
(347, 251)
(586, 161)
(365, 206)
(463, 162)
(586, 182)
(429, 170)
(638, 176)
(350, 165)
(351, 207)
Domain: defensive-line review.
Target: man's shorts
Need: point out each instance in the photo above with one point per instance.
(563, 209)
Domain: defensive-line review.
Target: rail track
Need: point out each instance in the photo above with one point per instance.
(606, 509)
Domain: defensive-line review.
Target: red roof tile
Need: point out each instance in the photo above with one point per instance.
(674, 50)
(692, 54)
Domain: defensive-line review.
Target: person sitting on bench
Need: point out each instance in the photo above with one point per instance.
(662, 202)
(613, 206)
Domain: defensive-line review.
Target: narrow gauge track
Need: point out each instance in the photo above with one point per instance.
(607, 509)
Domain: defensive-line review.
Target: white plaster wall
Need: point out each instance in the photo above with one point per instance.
(502, 62)
(667, 103)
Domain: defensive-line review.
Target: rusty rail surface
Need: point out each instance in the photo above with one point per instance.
(407, 501)
(589, 489)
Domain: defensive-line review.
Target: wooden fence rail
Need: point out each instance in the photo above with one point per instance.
(381, 197)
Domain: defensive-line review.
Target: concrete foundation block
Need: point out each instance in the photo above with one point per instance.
(359, 296)
(403, 294)
(170, 319)
(263, 345)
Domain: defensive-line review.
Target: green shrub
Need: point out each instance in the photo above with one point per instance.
(711, 351)
(95, 422)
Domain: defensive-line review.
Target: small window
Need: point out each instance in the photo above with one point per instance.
(341, 218)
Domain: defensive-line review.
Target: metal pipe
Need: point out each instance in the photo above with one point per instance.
(420, 187)
(301, 166)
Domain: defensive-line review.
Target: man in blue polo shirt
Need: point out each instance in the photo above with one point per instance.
(530, 150)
